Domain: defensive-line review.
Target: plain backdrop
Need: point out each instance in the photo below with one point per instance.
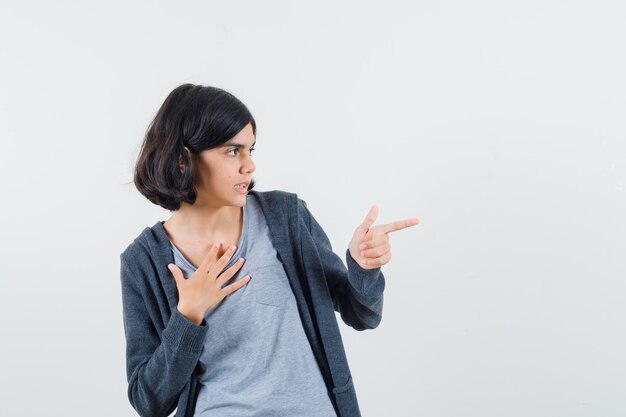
(499, 124)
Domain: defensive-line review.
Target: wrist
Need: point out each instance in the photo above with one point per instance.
(191, 316)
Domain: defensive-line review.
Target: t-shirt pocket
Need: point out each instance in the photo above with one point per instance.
(270, 285)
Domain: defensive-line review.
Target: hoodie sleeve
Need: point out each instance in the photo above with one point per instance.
(158, 366)
(357, 293)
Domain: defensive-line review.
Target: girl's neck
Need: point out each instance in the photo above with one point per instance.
(204, 224)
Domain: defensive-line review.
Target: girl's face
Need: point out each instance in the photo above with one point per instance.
(218, 172)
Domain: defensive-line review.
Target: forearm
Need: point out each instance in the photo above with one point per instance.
(357, 293)
(156, 381)
(360, 303)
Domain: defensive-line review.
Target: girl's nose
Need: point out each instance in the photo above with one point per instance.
(249, 165)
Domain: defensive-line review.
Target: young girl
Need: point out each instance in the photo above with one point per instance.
(229, 305)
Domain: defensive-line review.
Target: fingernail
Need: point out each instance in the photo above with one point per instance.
(233, 247)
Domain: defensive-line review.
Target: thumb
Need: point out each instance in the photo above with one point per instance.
(178, 274)
(370, 218)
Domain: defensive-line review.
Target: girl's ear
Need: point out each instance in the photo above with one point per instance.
(181, 164)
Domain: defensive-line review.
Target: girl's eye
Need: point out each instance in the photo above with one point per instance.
(237, 150)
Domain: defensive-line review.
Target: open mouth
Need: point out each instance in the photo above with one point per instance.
(241, 187)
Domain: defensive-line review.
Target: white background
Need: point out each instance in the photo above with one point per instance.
(499, 124)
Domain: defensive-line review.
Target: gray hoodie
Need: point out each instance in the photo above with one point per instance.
(163, 348)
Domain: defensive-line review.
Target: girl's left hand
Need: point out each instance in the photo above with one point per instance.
(370, 246)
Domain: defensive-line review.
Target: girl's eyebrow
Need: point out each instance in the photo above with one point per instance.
(235, 145)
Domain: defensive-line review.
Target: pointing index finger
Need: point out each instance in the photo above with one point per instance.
(399, 225)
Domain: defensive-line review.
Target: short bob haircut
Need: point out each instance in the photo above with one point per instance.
(193, 116)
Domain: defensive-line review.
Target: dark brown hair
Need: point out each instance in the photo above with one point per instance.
(193, 116)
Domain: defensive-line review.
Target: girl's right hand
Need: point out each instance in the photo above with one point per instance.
(204, 289)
